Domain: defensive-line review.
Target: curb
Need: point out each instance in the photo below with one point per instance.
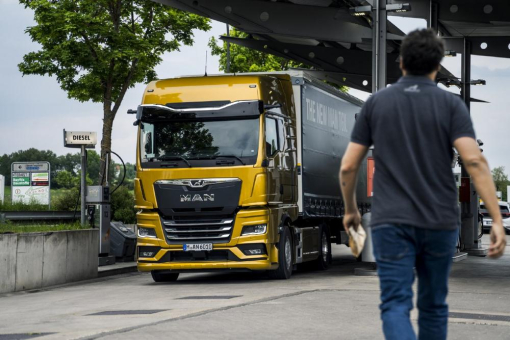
(129, 268)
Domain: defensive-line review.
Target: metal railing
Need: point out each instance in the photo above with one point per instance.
(39, 216)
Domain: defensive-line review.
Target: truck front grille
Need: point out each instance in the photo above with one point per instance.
(213, 229)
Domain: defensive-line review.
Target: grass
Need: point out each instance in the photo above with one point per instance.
(34, 226)
(21, 228)
(7, 205)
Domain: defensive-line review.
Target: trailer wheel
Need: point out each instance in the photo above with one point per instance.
(164, 276)
(324, 250)
(284, 270)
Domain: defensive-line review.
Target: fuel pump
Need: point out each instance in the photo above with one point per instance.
(99, 216)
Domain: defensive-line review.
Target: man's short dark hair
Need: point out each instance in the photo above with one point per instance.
(421, 52)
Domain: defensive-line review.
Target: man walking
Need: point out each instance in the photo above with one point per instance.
(413, 126)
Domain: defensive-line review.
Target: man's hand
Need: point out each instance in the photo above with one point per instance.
(352, 220)
(498, 240)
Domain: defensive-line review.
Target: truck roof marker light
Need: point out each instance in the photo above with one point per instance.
(398, 8)
(253, 86)
(360, 11)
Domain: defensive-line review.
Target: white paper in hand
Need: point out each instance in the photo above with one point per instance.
(357, 240)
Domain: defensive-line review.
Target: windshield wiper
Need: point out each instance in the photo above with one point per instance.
(230, 156)
(168, 158)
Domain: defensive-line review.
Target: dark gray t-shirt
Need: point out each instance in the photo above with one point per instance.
(413, 125)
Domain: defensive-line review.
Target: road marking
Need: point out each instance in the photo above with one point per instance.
(212, 297)
(130, 312)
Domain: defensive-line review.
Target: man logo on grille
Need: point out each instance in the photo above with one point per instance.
(198, 198)
(197, 184)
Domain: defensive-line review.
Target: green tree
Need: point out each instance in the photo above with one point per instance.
(122, 206)
(64, 179)
(93, 166)
(70, 162)
(77, 180)
(501, 181)
(98, 49)
(243, 59)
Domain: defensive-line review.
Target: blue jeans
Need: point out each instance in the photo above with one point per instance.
(399, 249)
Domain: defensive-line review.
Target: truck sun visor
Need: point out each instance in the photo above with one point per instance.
(154, 112)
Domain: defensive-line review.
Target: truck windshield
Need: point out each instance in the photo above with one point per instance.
(200, 143)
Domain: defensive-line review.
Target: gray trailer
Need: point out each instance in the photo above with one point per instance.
(324, 125)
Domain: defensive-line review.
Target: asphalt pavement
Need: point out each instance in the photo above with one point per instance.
(332, 304)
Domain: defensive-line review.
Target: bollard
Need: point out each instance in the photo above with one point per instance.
(368, 251)
(367, 256)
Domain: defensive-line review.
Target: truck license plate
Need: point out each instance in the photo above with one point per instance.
(487, 222)
(197, 247)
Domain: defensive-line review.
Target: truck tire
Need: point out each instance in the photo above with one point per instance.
(164, 276)
(324, 258)
(284, 270)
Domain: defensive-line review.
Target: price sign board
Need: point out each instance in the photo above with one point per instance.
(30, 182)
(2, 188)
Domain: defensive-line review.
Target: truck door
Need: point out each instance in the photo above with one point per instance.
(274, 154)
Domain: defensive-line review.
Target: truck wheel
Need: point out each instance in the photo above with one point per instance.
(324, 250)
(284, 270)
(163, 276)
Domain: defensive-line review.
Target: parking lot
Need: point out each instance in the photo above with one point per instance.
(334, 304)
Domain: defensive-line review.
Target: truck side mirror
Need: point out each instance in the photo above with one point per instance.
(268, 149)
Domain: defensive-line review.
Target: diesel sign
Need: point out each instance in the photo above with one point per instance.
(81, 137)
(197, 198)
(77, 139)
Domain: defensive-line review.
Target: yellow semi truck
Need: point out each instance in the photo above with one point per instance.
(240, 173)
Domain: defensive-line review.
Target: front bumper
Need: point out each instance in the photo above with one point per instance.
(487, 223)
(225, 256)
(208, 266)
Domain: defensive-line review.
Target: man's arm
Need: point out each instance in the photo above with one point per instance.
(348, 174)
(477, 166)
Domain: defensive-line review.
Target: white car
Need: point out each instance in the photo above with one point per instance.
(505, 212)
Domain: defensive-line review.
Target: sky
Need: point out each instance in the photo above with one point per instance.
(35, 110)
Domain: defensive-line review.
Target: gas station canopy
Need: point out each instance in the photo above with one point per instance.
(338, 45)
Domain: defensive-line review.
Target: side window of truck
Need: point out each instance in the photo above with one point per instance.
(281, 134)
(271, 137)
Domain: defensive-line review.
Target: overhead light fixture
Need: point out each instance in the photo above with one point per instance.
(450, 82)
(360, 11)
(458, 82)
(478, 82)
(450, 54)
(399, 8)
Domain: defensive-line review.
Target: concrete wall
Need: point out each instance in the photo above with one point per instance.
(37, 260)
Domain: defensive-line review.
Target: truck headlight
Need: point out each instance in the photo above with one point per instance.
(146, 232)
(254, 229)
